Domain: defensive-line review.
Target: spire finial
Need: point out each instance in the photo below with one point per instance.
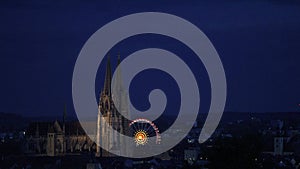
(107, 82)
(119, 59)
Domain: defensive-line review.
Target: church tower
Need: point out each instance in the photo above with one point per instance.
(279, 140)
(108, 114)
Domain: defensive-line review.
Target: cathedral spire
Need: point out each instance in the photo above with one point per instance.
(118, 86)
(64, 118)
(107, 82)
(119, 59)
(118, 89)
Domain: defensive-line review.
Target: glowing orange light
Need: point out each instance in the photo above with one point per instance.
(141, 137)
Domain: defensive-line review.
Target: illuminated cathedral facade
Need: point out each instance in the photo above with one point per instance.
(60, 138)
(108, 115)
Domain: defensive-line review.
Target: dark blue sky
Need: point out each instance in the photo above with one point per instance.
(258, 42)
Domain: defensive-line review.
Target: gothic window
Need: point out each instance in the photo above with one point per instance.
(58, 146)
(107, 106)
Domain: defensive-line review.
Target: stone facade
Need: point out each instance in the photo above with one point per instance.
(54, 139)
(108, 115)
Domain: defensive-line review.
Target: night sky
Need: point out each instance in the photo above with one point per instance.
(258, 43)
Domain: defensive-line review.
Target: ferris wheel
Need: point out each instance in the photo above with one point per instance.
(142, 130)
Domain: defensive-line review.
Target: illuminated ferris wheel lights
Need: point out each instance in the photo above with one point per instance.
(143, 129)
(141, 137)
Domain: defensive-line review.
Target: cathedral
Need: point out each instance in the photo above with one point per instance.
(58, 138)
(108, 113)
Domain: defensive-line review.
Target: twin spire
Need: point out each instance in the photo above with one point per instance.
(108, 76)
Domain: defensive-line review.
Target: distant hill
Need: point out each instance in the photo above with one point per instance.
(286, 116)
(11, 122)
(15, 122)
